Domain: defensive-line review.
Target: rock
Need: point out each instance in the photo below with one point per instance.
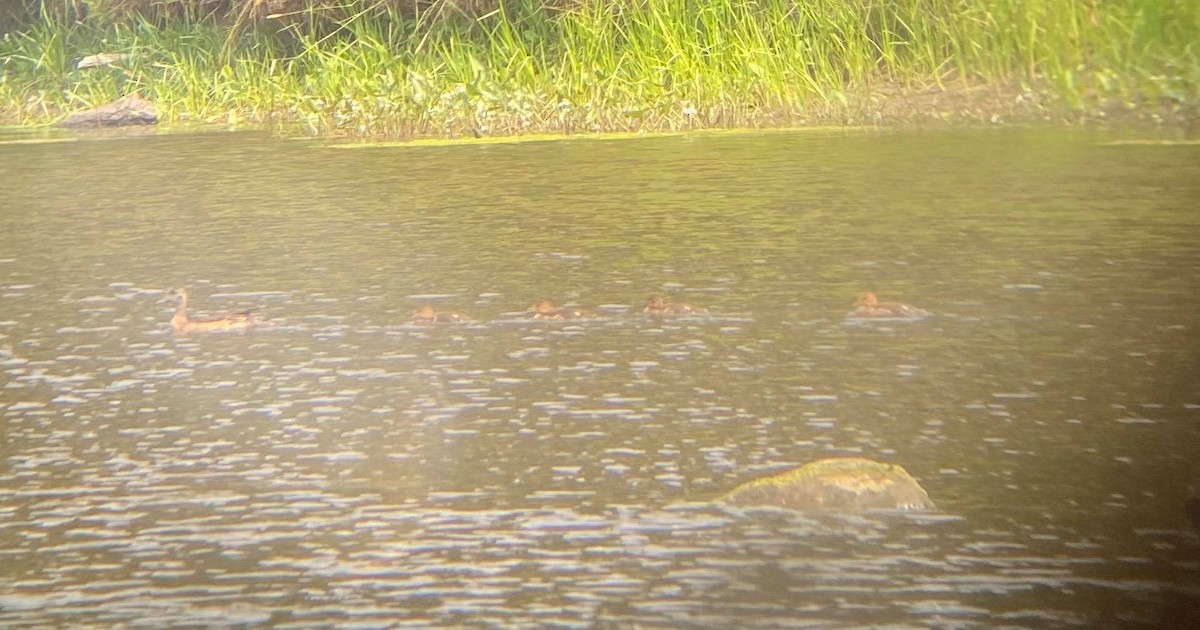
(127, 110)
(840, 484)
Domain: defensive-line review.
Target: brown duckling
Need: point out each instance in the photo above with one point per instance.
(870, 306)
(426, 315)
(545, 309)
(658, 306)
(184, 324)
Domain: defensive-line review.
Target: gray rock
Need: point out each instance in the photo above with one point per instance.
(125, 111)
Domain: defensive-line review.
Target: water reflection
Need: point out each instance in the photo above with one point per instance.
(348, 466)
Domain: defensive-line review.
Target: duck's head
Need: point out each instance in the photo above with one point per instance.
(425, 312)
(867, 299)
(544, 307)
(175, 295)
(656, 303)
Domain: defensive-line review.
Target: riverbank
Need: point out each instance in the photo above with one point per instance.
(523, 67)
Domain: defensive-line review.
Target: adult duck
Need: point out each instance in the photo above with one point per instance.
(870, 306)
(658, 306)
(182, 323)
(426, 315)
(545, 309)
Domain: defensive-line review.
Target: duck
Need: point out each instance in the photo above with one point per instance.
(426, 315)
(184, 324)
(658, 306)
(870, 306)
(545, 309)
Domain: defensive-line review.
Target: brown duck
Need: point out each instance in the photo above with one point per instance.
(184, 324)
(426, 315)
(870, 306)
(658, 306)
(545, 309)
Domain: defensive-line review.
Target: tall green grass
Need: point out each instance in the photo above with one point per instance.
(588, 65)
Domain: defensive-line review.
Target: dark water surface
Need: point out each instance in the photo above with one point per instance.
(346, 468)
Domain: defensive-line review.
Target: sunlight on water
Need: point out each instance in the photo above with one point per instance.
(347, 466)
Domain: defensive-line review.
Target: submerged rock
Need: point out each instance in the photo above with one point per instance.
(840, 484)
(127, 110)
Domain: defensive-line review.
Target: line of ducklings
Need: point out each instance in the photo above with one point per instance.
(868, 306)
(546, 309)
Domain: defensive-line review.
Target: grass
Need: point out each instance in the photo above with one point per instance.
(501, 68)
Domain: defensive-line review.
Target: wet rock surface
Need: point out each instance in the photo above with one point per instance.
(851, 484)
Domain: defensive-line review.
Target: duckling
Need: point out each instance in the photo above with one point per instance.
(426, 315)
(658, 306)
(870, 306)
(184, 324)
(545, 309)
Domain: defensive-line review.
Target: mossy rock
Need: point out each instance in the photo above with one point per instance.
(840, 484)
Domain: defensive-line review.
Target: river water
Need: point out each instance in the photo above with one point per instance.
(347, 468)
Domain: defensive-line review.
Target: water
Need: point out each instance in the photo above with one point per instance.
(345, 468)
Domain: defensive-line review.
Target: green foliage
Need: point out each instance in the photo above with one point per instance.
(399, 69)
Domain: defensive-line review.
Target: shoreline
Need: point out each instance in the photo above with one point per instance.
(934, 110)
(624, 66)
(1108, 134)
(953, 105)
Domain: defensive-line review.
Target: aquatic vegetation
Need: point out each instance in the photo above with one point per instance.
(403, 68)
